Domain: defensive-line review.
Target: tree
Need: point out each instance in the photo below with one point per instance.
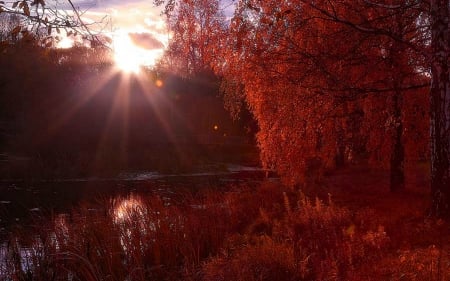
(432, 43)
(440, 107)
(306, 69)
(331, 74)
(36, 17)
(197, 28)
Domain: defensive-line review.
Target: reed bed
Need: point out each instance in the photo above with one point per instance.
(267, 232)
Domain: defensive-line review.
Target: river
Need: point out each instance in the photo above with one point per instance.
(22, 201)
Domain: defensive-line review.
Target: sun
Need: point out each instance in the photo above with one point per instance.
(127, 56)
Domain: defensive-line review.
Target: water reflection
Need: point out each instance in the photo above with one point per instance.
(66, 234)
(129, 208)
(133, 218)
(60, 235)
(17, 257)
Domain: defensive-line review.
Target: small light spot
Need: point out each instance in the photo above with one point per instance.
(159, 83)
(216, 127)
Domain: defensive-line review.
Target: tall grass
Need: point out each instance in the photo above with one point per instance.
(245, 233)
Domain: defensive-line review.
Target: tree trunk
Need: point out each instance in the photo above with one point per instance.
(397, 169)
(397, 161)
(340, 158)
(440, 108)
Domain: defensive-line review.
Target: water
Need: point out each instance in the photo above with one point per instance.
(22, 201)
(24, 205)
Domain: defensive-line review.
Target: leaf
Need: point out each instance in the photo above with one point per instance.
(49, 30)
(15, 4)
(57, 30)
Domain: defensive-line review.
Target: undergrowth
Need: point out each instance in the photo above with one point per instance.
(245, 233)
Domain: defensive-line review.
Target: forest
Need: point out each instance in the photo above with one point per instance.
(343, 106)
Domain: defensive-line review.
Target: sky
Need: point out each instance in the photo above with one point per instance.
(136, 27)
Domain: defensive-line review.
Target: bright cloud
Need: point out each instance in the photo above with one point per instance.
(138, 20)
(145, 41)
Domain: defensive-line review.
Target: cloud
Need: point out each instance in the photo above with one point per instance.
(146, 41)
(138, 19)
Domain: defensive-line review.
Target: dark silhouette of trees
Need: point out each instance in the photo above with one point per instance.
(69, 112)
(440, 106)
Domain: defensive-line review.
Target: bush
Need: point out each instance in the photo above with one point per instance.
(310, 241)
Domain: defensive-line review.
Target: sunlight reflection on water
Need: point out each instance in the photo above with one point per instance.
(128, 208)
(136, 224)
(132, 217)
(61, 231)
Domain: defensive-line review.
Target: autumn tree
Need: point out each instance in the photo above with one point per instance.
(267, 57)
(432, 45)
(325, 79)
(197, 30)
(306, 78)
(399, 78)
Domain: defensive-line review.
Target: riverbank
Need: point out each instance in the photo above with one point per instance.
(347, 228)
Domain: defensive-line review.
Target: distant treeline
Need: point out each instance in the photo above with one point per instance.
(73, 103)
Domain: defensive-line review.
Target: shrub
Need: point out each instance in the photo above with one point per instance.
(311, 241)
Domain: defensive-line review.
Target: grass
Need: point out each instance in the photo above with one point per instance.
(262, 232)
